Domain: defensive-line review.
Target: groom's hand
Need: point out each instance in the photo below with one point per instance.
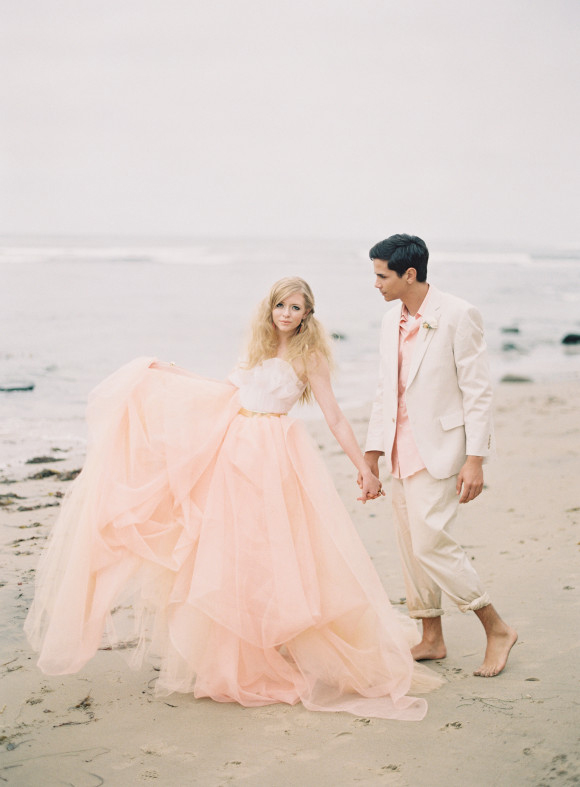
(470, 479)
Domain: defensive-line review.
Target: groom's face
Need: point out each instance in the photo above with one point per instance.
(388, 282)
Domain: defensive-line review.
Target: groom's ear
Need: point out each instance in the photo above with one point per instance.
(411, 275)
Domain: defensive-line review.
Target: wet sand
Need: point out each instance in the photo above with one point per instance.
(104, 725)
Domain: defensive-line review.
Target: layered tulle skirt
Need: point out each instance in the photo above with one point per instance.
(219, 543)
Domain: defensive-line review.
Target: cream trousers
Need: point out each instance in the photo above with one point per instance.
(425, 511)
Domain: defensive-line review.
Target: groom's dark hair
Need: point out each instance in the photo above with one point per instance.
(402, 252)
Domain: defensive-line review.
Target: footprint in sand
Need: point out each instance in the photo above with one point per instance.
(147, 775)
(560, 771)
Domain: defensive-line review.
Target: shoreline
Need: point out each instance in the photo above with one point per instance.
(522, 533)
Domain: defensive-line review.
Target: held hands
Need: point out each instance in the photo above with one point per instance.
(368, 480)
(470, 479)
(370, 485)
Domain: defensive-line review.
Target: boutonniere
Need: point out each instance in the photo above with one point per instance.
(429, 326)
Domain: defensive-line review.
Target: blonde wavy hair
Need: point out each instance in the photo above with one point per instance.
(309, 338)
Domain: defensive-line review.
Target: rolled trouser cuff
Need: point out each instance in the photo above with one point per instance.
(425, 613)
(482, 601)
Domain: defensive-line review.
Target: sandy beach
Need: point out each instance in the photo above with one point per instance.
(105, 726)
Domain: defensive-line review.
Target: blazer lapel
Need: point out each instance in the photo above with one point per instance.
(425, 335)
(391, 347)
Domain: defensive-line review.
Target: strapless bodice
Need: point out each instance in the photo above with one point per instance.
(271, 387)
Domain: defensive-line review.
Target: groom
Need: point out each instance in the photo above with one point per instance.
(432, 420)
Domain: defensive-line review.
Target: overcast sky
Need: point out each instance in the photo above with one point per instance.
(454, 119)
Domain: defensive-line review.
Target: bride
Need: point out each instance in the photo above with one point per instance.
(206, 530)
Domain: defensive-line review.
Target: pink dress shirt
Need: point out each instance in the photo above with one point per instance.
(405, 455)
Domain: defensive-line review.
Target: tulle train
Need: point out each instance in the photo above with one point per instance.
(219, 543)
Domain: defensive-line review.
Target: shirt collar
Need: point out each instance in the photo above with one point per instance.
(420, 312)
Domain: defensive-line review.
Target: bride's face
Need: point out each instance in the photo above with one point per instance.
(289, 313)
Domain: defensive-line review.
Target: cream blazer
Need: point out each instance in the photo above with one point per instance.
(448, 395)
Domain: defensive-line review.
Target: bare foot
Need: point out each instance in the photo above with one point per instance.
(432, 645)
(429, 651)
(499, 644)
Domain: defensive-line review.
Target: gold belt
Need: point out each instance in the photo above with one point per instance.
(252, 413)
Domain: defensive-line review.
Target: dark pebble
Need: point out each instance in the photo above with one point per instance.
(571, 338)
(69, 475)
(65, 475)
(515, 378)
(46, 473)
(10, 387)
(39, 460)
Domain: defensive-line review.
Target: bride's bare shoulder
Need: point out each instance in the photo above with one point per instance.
(315, 364)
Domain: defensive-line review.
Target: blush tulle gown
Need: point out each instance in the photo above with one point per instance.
(218, 542)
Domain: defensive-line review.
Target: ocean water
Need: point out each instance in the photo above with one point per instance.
(72, 311)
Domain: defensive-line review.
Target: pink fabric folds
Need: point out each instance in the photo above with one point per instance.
(219, 543)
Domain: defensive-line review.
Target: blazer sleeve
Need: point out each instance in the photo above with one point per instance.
(473, 378)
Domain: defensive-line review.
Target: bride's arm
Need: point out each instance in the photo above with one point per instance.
(319, 378)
